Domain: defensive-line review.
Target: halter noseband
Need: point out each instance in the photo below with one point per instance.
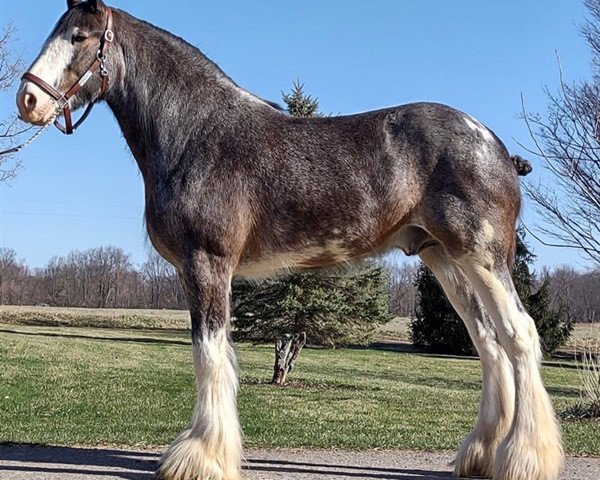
(62, 100)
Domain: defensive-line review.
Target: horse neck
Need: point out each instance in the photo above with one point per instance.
(166, 92)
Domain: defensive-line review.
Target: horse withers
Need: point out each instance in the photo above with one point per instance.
(234, 186)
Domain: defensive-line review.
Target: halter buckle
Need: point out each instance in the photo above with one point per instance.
(109, 36)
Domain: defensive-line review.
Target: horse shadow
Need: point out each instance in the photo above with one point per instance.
(58, 462)
(42, 462)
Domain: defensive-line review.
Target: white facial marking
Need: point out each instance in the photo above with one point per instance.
(478, 127)
(50, 65)
(54, 59)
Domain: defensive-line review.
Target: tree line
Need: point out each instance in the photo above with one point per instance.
(102, 277)
(577, 290)
(105, 277)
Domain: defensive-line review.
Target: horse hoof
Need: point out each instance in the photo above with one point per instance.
(475, 458)
(531, 459)
(188, 458)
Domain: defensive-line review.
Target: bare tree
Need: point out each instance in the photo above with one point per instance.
(10, 127)
(403, 292)
(568, 140)
(158, 274)
(13, 276)
(577, 290)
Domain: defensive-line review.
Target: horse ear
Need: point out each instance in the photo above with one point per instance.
(96, 5)
(73, 3)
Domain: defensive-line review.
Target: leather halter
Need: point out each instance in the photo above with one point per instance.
(62, 100)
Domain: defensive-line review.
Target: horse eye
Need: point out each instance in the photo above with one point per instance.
(78, 37)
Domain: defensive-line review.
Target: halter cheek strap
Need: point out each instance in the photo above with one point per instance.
(61, 99)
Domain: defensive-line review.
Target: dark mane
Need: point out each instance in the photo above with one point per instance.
(178, 48)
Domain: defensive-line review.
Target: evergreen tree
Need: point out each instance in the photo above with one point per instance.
(437, 328)
(300, 104)
(553, 324)
(331, 310)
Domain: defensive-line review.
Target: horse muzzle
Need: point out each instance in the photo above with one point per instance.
(35, 106)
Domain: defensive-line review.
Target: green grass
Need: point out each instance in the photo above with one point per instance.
(124, 387)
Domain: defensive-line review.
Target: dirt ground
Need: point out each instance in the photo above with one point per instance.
(70, 463)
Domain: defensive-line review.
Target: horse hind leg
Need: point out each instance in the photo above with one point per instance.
(211, 448)
(477, 452)
(532, 450)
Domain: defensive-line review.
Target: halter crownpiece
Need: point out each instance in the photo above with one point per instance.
(61, 99)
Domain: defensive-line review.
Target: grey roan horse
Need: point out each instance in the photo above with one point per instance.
(234, 186)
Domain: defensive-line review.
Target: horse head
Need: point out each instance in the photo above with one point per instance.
(72, 68)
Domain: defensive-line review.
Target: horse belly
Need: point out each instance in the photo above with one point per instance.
(282, 262)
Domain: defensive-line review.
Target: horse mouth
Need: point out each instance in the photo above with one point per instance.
(39, 120)
(42, 123)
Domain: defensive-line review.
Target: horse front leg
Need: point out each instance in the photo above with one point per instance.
(211, 448)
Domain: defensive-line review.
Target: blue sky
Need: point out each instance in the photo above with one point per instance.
(84, 191)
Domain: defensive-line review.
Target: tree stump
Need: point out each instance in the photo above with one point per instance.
(286, 354)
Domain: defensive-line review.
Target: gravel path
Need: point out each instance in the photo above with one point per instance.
(68, 463)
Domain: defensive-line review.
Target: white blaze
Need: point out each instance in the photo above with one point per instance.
(54, 59)
(50, 65)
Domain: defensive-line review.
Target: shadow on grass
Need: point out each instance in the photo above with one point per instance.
(404, 347)
(156, 341)
(564, 392)
(38, 462)
(558, 360)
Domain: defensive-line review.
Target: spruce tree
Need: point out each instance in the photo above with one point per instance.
(437, 328)
(553, 323)
(332, 310)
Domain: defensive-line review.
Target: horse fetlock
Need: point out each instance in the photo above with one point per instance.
(189, 458)
(520, 458)
(475, 457)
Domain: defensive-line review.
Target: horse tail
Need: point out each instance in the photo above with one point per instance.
(523, 166)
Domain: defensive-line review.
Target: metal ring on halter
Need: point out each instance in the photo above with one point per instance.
(62, 102)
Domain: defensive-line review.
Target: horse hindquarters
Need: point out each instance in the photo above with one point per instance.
(211, 448)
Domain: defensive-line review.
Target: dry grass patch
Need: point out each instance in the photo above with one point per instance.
(113, 318)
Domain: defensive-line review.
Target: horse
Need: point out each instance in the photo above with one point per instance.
(236, 187)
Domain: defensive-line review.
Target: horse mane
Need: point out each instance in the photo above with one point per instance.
(190, 52)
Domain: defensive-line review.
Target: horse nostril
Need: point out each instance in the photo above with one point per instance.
(29, 101)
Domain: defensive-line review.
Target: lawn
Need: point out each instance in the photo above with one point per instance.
(135, 387)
